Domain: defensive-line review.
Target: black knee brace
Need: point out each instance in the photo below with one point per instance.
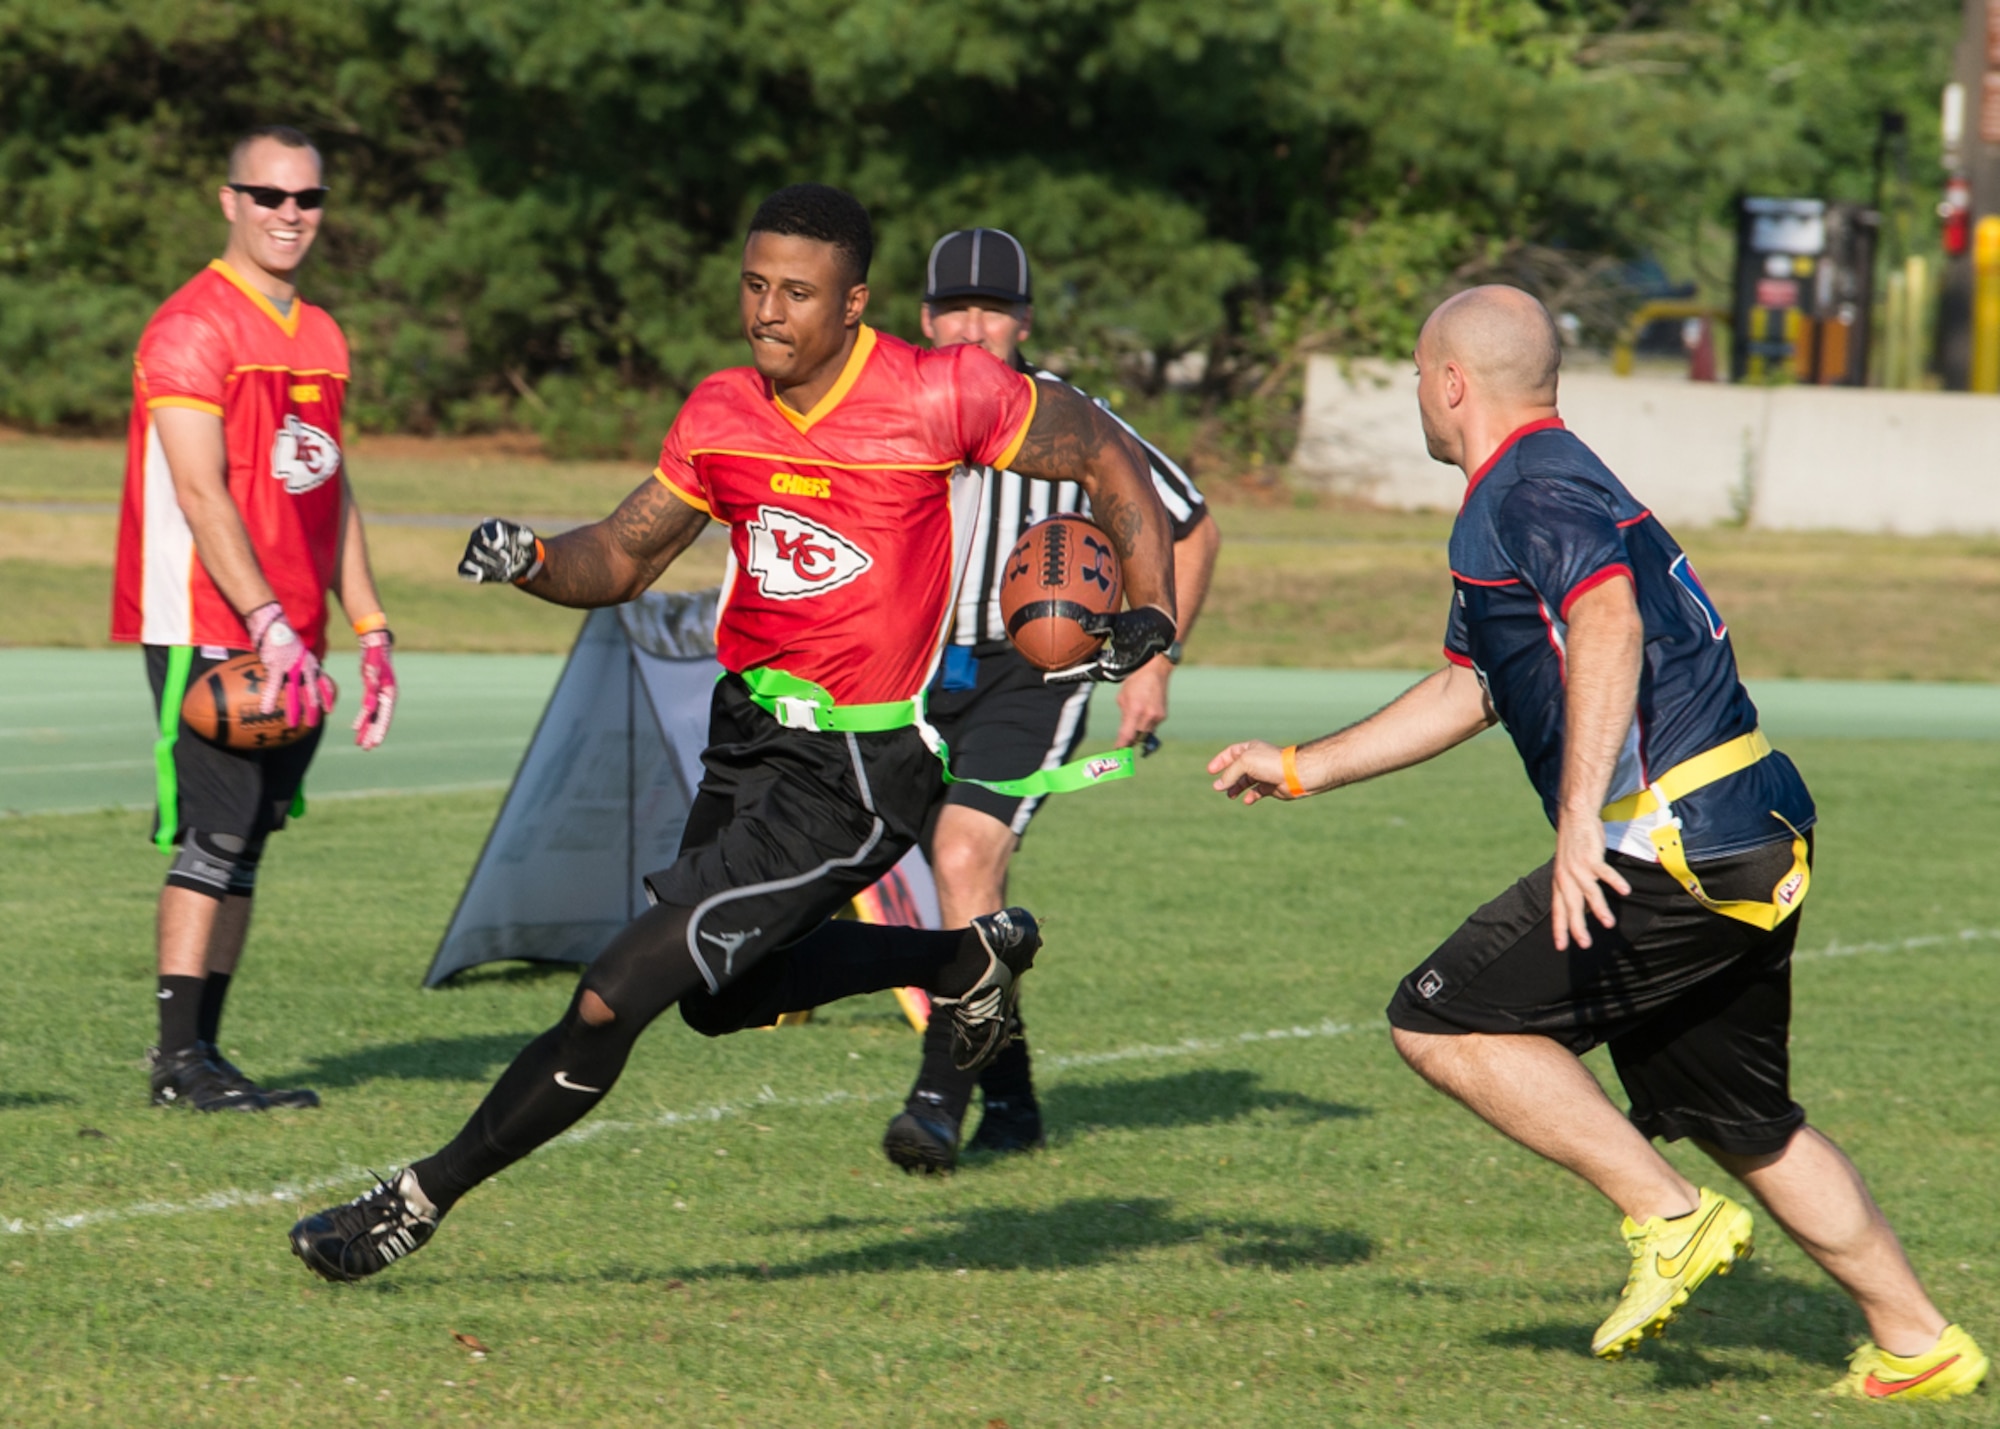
(213, 865)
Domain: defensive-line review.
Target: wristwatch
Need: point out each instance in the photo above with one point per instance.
(1173, 653)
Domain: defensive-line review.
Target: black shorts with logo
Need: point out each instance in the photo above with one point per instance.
(1695, 1007)
(787, 827)
(243, 793)
(1007, 726)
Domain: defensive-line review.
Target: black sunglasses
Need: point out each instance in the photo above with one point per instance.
(264, 196)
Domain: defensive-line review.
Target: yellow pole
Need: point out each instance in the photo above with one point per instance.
(1986, 305)
(1919, 302)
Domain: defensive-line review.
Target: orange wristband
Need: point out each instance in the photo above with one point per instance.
(369, 624)
(1290, 754)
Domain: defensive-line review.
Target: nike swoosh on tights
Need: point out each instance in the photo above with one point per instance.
(1670, 1266)
(563, 1081)
(163, 996)
(1881, 1388)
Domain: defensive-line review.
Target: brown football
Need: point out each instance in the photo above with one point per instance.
(1061, 569)
(222, 707)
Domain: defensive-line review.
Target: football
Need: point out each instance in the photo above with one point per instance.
(1061, 570)
(222, 707)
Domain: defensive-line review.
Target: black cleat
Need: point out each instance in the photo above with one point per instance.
(232, 1075)
(921, 1144)
(367, 1234)
(1008, 1125)
(189, 1079)
(983, 1019)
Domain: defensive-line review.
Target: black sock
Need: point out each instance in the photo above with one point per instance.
(942, 1091)
(528, 1105)
(180, 1013)
(214, 992)
(1009, 1077)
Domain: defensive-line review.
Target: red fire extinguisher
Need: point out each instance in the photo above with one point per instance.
(1956, 212)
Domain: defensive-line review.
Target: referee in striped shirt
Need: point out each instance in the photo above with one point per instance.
(1000, 720)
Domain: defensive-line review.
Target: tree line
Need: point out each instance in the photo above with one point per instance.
(538, 206)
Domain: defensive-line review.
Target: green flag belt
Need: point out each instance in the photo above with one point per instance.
(801, 704)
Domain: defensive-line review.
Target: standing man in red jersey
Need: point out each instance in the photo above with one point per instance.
(833, 459)
(1001, 721)
(237, 520)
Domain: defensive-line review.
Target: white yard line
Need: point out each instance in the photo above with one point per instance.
(767, 1100)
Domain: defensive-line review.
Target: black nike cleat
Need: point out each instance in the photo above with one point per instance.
(189, 1079)
(983, 1019)
(369, 1233)
(294, 1098)
(1008, 1125)
(921, 1145)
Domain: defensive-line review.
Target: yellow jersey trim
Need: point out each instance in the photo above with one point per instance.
(864, 344)
(795, 459)
(289, 324)
(696, 502)
(290, 371)
(1006, 458)
(194, 403)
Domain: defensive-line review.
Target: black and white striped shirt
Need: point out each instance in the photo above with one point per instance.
(1009, 504)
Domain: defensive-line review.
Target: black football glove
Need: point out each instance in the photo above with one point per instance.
(501, 551)
(1134, 637)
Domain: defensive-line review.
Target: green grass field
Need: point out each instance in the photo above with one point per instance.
(1249, 1212)
(1298, 583)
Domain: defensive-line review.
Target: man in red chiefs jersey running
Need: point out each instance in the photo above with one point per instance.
(833, 460)
(237, 519)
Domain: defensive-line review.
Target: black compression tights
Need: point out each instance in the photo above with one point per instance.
(562, 1074)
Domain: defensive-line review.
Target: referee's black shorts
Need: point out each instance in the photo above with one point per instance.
(241, 793)
(1007, 726)
(1695, 1007)
(787, 827)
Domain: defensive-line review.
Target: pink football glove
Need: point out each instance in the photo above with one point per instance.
(293, 671)
(378, 688)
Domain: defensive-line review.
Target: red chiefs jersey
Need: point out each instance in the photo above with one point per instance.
(845, 544)
(278, 383)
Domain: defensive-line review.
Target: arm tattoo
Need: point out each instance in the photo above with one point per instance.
(615, 559)
(1071, 440)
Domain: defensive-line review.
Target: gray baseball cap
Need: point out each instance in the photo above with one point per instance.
(978, 263)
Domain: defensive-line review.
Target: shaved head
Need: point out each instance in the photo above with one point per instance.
(1503, 339)
(1487, 361)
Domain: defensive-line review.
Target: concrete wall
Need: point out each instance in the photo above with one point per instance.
(1788, 458)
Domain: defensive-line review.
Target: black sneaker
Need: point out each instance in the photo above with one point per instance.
(983, 1020)
(292, 1098)
(370, 1232)
(1008, 1125)
(921, 1144)
(189, 1079)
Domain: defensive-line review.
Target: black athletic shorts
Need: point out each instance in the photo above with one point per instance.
(788, 826)
(1696, 1007)
(1006, 727)
(245, 793)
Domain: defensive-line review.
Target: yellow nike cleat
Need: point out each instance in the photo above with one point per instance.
(1949, 1368)
(1669, 1260)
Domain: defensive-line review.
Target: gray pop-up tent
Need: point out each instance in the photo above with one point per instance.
(603, 793)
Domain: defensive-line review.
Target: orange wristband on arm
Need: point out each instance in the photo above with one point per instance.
(1290, 755)
(369, 624)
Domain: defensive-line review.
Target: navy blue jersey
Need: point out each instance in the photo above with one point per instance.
(1544, 521)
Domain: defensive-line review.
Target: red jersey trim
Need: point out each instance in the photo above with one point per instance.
(864, 345)
(794, 458)
(196, 403)
(660, 475)
(1464, 662)
(1634, 520)
(1495, 584)
(1013, 449)
(1507, 445)
(289, 324)
(1591, 582)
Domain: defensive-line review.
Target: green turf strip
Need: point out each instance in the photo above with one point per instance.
(1225, 1230)
(75, 724)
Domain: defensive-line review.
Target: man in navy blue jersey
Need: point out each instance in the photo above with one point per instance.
(1664, 925)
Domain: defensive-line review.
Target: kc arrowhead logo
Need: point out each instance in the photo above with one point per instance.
(795, 559)
(302, 456)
